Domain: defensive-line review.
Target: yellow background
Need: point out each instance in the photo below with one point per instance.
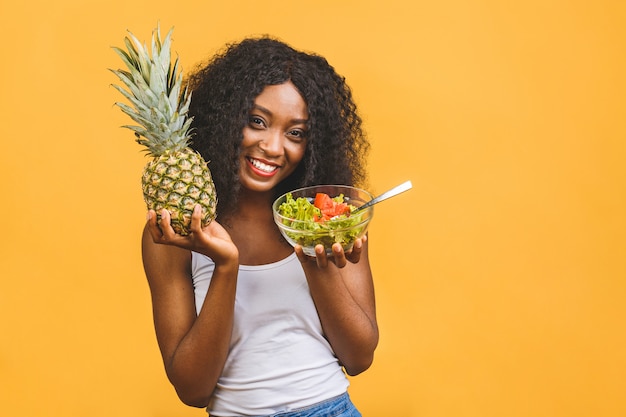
(500, 277)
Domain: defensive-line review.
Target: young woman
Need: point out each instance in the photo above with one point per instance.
(248, 326)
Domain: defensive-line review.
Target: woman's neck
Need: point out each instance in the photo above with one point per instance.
(252, 205)
(252, 228)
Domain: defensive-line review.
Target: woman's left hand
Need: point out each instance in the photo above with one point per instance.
(338, 257)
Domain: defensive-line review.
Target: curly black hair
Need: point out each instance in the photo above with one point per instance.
(224, 90)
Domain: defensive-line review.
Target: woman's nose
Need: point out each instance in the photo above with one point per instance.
(272, 143)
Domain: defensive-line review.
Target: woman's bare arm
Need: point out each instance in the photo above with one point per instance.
(343, 292)
(194, 347)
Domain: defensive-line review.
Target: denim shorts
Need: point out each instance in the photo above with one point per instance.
(339, 406)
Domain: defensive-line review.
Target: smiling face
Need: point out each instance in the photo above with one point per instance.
(274, 140)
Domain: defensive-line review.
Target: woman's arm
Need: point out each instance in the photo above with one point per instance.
(193, 347)
(343, 292)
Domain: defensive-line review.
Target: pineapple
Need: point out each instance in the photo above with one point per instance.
(176, 178)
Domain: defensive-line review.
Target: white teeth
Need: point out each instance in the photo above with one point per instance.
(263, 167)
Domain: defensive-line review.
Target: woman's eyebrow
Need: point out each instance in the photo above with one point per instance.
(262, 109)
(269, 113)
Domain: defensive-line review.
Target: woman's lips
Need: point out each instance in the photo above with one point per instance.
(262, 168)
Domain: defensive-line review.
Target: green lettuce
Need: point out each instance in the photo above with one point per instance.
(299, 217)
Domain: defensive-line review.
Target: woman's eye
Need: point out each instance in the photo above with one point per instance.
(257, 121)
(297, 134)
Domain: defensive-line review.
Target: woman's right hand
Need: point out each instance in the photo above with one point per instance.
(212, 240)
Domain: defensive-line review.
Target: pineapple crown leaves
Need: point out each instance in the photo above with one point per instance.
(159, 105)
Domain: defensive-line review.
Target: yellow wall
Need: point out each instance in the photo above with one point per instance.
(500, 277)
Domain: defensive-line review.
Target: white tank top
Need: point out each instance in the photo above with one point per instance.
(279, 359)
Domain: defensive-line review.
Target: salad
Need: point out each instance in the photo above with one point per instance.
(323, 220)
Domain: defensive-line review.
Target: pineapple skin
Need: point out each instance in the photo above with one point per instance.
(177, 181)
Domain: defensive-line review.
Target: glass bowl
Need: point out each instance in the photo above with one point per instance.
(309, 233)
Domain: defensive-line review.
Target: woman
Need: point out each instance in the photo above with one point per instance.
(248, 326)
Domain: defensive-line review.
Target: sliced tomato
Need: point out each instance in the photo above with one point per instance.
(323, 201)
(329, 207)
(341, 208)
(320, 218)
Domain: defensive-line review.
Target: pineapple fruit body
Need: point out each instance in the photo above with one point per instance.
(177, 182)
